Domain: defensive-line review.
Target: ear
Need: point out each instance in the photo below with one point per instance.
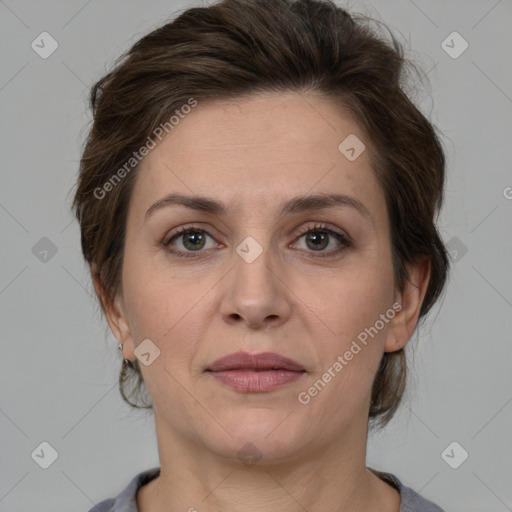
(411, 298)
(116, 317)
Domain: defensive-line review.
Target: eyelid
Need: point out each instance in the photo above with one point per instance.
(188, 227)
(322, 226)
(311, 226)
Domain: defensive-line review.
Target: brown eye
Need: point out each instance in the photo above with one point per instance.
(193, 240)
(189, 240)
(318, 238)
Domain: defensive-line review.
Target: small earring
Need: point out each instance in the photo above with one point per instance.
(125, 361)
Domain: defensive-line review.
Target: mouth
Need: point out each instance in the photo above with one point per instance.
(255, 373)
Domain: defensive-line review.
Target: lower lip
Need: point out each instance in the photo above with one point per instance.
(250, 381)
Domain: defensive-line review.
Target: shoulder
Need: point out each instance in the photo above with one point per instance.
(103, 506)
(126, 501)
(411, 501)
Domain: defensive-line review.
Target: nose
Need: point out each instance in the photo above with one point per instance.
(255, 292)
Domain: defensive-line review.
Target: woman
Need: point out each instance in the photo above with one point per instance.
(257, 200)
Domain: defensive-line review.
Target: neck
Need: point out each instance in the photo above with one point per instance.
(333, 478)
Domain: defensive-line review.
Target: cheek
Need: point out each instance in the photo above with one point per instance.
(169, 309)
(353, 299)
(350, 350)
(157, 311)
(350, 305)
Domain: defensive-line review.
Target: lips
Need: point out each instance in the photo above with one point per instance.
(255, 373)
(265, 361)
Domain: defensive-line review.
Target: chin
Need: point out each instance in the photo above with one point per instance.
(259, 435)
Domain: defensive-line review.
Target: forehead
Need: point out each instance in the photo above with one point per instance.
(257, 151)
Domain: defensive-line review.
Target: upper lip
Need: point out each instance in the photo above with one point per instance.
(263, 361)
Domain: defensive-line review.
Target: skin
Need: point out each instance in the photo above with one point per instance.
(253, 155)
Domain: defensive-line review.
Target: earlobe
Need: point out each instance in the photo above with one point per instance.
(114, 312)
(411, 298)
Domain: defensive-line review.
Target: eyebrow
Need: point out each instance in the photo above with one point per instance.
(295, 205)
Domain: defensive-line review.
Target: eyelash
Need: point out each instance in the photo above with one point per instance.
(311, 228)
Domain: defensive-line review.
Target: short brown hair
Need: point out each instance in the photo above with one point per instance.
(239, 47)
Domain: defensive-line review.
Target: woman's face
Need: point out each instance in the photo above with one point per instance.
(260, 272)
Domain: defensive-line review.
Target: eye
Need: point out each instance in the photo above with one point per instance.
(188, 239)
(318, 237)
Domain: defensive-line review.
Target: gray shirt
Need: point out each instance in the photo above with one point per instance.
(411, 501)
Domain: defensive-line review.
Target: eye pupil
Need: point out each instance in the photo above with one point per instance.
(317, 237)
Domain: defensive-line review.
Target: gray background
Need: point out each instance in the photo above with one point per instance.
(58, 368)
